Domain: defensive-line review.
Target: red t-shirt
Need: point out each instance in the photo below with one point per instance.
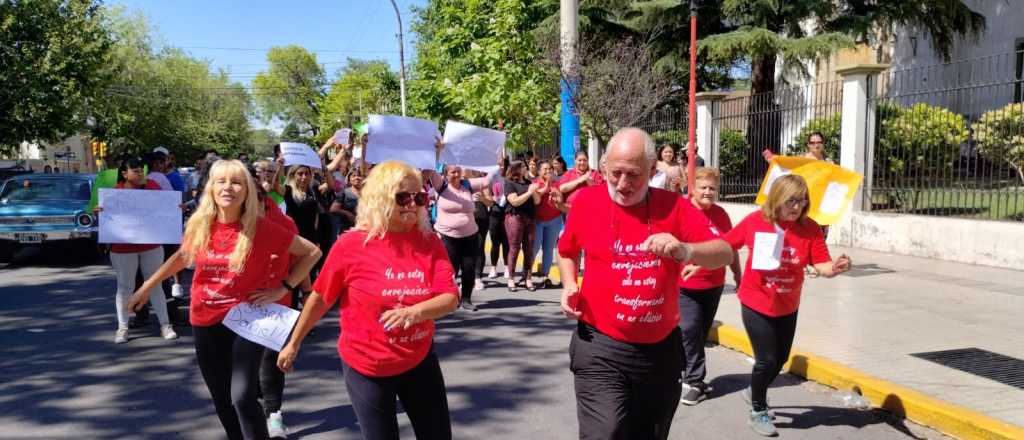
(574, 174)
(720, 224)
(400, 270)
(215, 289)
(777, 292)
(128, 248)
(279, 264)
(629, 294)
(546, 209)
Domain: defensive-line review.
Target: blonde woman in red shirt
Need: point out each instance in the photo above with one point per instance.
(393, 278)
(770, 289)
(234, 249)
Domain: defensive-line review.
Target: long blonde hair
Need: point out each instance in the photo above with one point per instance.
(197, 231)
(783, 189)
(298, 194)
(377, 198)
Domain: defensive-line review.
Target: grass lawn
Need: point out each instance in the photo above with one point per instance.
(1001, 204)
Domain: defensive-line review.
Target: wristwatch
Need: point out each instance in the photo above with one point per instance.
(287, 286)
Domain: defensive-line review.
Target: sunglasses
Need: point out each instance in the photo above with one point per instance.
(405, 198)
(796, 203)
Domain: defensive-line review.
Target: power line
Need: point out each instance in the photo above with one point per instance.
(253, 49)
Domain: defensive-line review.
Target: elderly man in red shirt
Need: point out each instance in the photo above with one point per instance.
(626, 353)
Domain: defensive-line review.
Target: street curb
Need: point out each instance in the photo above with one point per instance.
(950, 419)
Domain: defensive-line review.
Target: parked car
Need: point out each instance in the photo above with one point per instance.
(47, 210)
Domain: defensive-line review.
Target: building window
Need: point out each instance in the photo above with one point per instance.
(1018, 64)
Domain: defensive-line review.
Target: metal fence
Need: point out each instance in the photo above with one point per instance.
(779, 121)
(948, 140)
(666, 125)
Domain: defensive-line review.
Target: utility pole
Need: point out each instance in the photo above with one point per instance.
(569, 119)
(691, 147)
(401, 56)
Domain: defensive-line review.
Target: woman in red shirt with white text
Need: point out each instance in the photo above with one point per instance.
(770, 289)
(393, 278)
(700, 289)
(234, 249)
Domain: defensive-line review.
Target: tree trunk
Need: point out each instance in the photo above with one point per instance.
(762, 74)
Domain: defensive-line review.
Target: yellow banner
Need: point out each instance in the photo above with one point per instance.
(831, 187)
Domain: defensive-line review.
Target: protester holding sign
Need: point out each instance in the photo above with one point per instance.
(393, 278)
(234, 250)
(626, 353)
(456, 222)
(301, 203)
(701, 289)
(128, 259)
(782, 241)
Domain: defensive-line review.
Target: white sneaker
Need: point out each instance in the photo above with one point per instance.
(167, 332)
(121, 336)
(275, 425)
(492, 274)
(177, 291)
(479, 285)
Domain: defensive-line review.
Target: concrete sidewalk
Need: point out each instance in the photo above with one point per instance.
(869, 322)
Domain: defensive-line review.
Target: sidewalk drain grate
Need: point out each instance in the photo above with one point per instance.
(994, 366)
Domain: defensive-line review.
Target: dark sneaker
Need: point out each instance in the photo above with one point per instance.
(692, 395)
(761, 423)
(468, 305)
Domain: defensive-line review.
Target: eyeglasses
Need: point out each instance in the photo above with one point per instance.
(405, 198)
(815, 142)
(796, 203)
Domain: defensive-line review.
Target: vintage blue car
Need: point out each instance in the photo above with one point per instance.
(47, 210)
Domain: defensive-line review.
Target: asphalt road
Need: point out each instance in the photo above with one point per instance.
(506, 369)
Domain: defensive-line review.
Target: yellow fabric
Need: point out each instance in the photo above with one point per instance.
(826, 182)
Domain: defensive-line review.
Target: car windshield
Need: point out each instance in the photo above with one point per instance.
(22, 190)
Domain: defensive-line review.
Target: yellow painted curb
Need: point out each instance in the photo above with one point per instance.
(950, 419)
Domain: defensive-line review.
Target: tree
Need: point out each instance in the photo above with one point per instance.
(477, 62)
(292, 87)
(804, 31)
(52, 54)
(165, 98)
(362, 88)
(619, 84)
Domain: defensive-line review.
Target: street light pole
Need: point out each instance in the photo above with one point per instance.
(401, 56)
(569, 119)
(691, 147)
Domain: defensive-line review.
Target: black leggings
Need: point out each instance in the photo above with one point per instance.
(499, 241)
(272, 378)
(421, 391)
(482, 222)
(462, 253)
(697, 310)
(771, 338)
(230, 366)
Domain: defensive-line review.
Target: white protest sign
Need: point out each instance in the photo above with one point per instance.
(299, 154)
(267, 325)
(473, 147)
(135, 216)
(341, 136)
(400, 138)
(767, 252)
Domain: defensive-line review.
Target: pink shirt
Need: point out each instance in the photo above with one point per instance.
(455, 208)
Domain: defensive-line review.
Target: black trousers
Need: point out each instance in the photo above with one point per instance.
(697, 310)
(230, 366)
(772, 339)
(462, 254)
(499, 240)
(421, 391)
(272, 378)
(625, 391)
(483, 220)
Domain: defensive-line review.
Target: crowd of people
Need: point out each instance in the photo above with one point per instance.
(397, 248)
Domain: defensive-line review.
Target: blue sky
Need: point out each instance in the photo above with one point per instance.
(219, 30)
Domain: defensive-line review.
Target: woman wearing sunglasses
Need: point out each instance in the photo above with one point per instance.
(393, 279)
(782, 241)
